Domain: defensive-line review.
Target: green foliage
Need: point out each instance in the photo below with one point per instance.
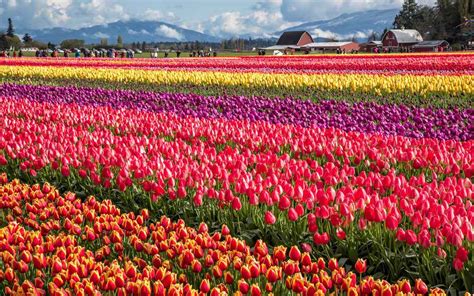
(407, 16)
(7, 42)
(119, 41)
(10, 30)
(37, 44)
(27, 38)
(72, 43)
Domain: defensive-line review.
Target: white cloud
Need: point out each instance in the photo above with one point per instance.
(101, 35)
(264, 18)
(65, 13)
(311, 10)
(158, 15)
(169, 32)
(142, 31)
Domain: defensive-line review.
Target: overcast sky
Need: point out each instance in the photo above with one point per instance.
(218, 17)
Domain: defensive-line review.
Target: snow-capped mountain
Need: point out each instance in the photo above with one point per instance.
(131, 31)
(359, 24)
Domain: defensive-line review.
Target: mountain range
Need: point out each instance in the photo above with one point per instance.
(358, 24)
(131, 31)
(346, 26)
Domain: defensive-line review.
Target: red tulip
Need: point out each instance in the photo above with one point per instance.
(255, 290)
(236, 204)
(361, 266)
(244, 287)
(458, 264)
(292, 214)
(225, 230)
(410, 236)
(295, 253)
(321, 239)
(205, 286)
(270, 218)
(333, 264)
(405, 286)
(420, 287)
(341, 234)
(462, 254)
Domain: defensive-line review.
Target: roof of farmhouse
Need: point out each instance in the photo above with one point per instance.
(432, 43)
(292, 37)
(407, 36)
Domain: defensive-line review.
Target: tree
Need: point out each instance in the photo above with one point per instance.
(51, 46)
(10, 30)
(143, 46)
(27, 38)
(405, 18)
(373, 37)
(7, 42)
(119, 41)
(72, 43)
(104, 41)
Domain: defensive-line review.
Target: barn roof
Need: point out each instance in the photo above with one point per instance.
(291, 37)
(431, 43)
(406, 36)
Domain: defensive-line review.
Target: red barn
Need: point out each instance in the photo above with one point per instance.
(295, 38)
(431, 46)
(402, 39)
(343, 46)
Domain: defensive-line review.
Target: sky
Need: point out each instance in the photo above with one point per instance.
(215, 17)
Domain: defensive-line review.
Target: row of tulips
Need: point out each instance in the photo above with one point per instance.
(360, 117)
(451, 64)
(436, 101)
(60, 245)
(334, 189)
(422, 86)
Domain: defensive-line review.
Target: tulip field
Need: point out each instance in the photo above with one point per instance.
(304, 175)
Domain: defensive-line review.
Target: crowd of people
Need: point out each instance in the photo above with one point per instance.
(102, 53)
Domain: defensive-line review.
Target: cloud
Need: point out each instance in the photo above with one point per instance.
(65, 13)
(142, 31)
(158, 15)
(169, 32)
(265, 17)
(101, 35)
(309, 10)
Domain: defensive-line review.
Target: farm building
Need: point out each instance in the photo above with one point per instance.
(295, 38)
(291, 40)
(431, 46)
(401, 39)
(344, 46)
(370, 46)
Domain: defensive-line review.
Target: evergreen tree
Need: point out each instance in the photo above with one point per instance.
(406, 17)
(372, 37)
(10, 30)
(27, 38)
(119, 41)
(143, 46)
